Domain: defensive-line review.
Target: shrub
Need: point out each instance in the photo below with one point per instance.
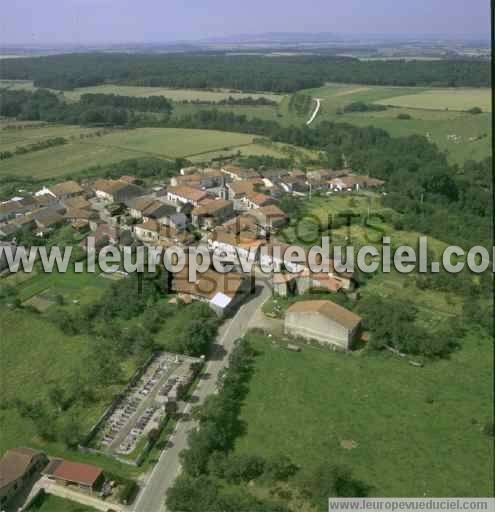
(475, 111)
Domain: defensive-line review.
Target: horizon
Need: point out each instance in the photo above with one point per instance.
(96, 22)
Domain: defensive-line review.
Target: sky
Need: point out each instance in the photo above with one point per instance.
(140, 21)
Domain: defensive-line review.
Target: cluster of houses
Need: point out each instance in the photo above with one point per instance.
(231, 208)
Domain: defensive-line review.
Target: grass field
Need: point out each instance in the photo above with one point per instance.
(10, 139)
(168, 143)
(50, 503)
(412, 438)
(120, 145)
(463, 136)
(460, 99)
(37, 356)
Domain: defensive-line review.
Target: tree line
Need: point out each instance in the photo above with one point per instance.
(239, 72)
(92, 109)
(146, 104)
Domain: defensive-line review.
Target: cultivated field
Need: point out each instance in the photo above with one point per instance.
(410, 438)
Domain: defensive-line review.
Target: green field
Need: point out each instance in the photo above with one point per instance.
(460, 99)
(173, 94)
(139, 91)
(20, 137)
(37, 354)
(418, 431)
(120, 145)
(50, 503)
(461, 135)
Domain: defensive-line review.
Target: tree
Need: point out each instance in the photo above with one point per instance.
(153, 435)
(332, 481)
(71, 431)
(239, 468)
(193, 494)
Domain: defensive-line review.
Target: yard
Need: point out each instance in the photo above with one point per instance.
(410, 438)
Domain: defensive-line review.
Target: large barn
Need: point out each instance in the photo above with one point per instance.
(322, 321)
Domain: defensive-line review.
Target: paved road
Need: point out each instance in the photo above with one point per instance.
(152, 495)
(315, 113)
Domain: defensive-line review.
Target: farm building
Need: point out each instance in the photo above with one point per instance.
(322, 321)
(85, 476)
(17, 466)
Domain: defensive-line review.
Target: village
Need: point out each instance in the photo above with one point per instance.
(229, 208)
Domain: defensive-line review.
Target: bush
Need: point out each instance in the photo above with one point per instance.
(359, 106)
(405, 117)
(475, 111)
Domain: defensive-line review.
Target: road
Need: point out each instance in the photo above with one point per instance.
(315, 113)
(152, 495)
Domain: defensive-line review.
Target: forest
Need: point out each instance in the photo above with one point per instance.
(240, 72)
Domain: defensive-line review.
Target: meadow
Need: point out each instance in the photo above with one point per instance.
(460, 99)
(461, 135)
(411, 439)
(87, 149)
(120, 145)
(11, 138)
(37, 356)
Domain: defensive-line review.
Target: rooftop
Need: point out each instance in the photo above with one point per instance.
(66, 187)
(189, 193)
(84, 474)
(329, 309)
(14, 464)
